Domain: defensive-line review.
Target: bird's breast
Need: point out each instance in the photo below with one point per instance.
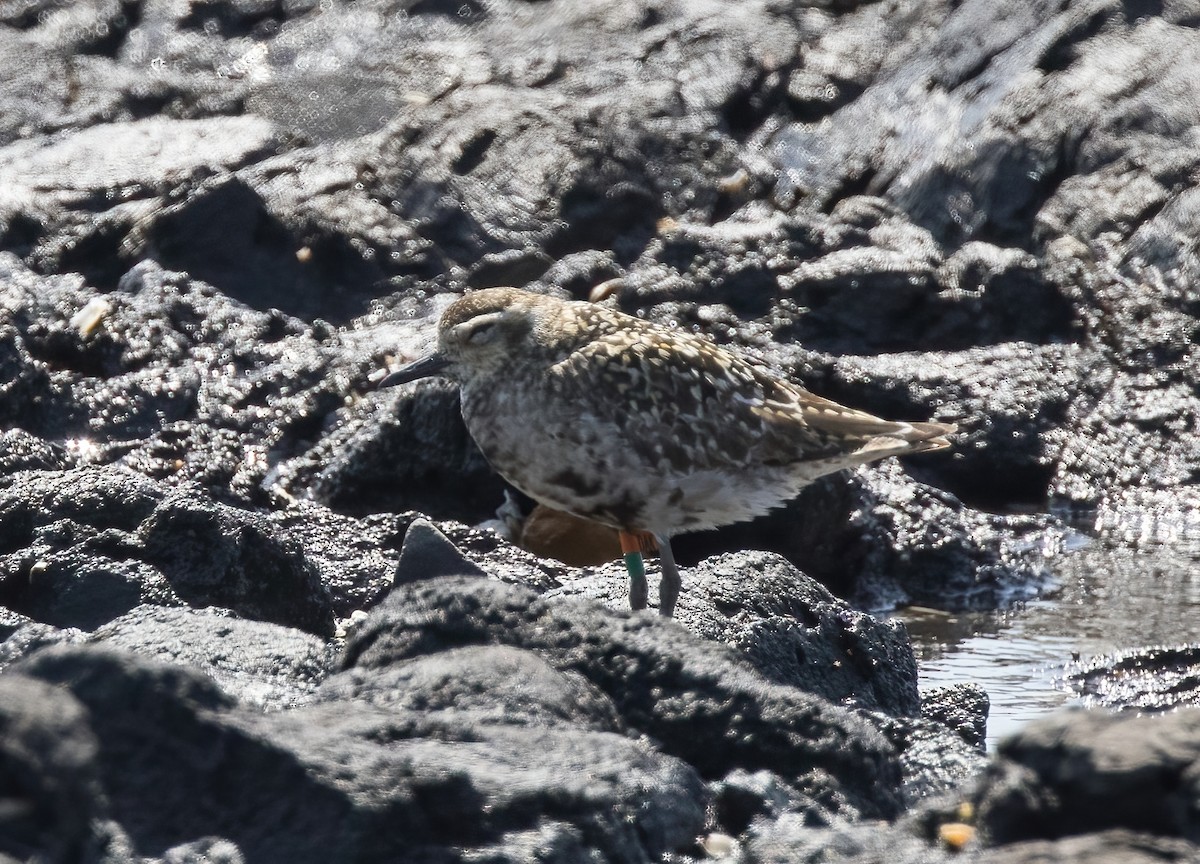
(558, 452)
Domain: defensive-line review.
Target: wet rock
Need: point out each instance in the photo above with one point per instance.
(924, 546)
(264, 666)
(863, 279)
(1130, 455)
(445, 105)
(1146, 679)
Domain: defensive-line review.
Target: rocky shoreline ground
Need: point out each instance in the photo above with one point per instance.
(251, 608)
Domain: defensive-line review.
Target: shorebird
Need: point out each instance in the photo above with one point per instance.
(648, 429)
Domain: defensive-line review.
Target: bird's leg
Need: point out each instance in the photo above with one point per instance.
(669, 583)
(631, 547)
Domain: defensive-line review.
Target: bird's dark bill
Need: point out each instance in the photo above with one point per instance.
(423, 368)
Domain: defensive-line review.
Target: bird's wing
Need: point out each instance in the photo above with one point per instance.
(682, 399)
(855, 432)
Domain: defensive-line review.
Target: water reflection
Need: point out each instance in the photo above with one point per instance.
(1105, 600)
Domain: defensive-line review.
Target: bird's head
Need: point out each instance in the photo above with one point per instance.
(480, 334)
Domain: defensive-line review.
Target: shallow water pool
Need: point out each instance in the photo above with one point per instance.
(1103, 601)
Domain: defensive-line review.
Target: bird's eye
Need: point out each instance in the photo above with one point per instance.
(482, 332)
(477, 331)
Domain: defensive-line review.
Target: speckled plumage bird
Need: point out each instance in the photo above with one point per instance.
(641, 427)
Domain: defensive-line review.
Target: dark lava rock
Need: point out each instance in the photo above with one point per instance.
(684, 692)
(354, 559)
(491, 684)
(741, 797)
(921, 545)
(49, 773)
(84, 546)
(221, 555)
(962, 708)
(10, 622)
(180, 761)
(427, 554)
(909, 203)
(32, 636)
(219, 222)
(794, 632)
(1075, 787)
(1080, 772)
(1104, 847)
(790, 628)
(934, 759)
(71, 556)
(175, 380)
(258, 663)
(412, 451)
(1012, 397)
(789, 840)
(21, 451)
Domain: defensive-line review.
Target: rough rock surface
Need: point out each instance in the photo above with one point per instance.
(1079, 786)
(1065, 774)
(221, 220)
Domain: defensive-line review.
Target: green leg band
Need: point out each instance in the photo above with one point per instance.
(638, 590)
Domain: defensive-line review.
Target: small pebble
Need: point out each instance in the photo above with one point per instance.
(955, 835)
(89, 317)
(718, 845)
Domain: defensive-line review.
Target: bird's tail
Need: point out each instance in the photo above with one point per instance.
(908, 438)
